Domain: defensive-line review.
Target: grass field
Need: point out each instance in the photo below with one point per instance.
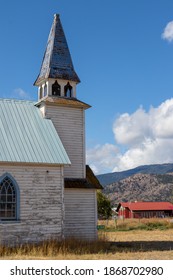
(123, 240)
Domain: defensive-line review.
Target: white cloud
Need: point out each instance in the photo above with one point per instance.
(147, 136)
(102, 157)
(20, 93)
(132, 129)
(150, 152)
(168, 32)
(162, 119)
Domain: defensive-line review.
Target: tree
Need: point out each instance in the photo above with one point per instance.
(104, 206)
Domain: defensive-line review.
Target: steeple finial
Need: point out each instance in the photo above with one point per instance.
(56, 16)
(57, 62)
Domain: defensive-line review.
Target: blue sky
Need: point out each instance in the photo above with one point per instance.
(122, 51)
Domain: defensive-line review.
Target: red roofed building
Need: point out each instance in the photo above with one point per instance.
(145, 209)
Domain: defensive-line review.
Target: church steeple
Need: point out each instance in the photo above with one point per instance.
(57, 99)
(57, 75)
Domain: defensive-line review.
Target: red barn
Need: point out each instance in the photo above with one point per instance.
(145, 209)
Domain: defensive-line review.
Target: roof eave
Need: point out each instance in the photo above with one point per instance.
(40, 80)
(17, 163)
(63, 101)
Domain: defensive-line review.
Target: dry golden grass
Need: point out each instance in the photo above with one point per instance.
(150, 255)
(141, 235)
(111, 245)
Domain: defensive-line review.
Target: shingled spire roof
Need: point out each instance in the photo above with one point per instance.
(57, 62)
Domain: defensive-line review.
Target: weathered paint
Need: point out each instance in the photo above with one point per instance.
(69, 123)
(41, 205)
(80, 213)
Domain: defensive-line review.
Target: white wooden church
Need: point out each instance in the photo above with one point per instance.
(46, 189)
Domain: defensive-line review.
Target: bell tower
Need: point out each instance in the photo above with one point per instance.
(58, 101)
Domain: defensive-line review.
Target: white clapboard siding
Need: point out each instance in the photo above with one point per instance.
(41, 209)
(69, 123)
(80, 213)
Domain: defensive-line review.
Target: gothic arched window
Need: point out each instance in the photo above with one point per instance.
(56, 89)
(68, 90)
(9, 199)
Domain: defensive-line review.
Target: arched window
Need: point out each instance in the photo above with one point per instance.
(56, 89)
(9, 198)
(68, 90)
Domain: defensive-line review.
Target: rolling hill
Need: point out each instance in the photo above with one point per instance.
(109, 178)
(144, 183)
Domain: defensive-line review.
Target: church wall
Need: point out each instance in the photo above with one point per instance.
(69, 123)
(80, 213)
(41, 207)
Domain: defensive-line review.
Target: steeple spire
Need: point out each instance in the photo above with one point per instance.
(57, 62)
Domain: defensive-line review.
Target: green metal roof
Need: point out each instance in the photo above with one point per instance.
(26, 137)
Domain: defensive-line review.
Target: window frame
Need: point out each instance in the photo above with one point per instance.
(17, 196)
